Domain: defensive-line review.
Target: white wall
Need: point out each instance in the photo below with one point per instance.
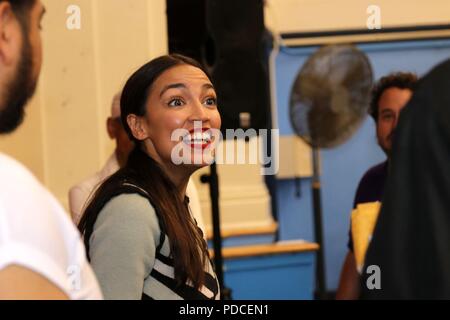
(64, 139)
(317, 15)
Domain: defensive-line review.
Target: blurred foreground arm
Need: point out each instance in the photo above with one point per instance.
(349, 284)
(19, 283)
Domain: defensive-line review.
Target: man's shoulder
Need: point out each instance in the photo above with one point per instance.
(376, 172)
(9, 164)
(371, 186)
(20, 188)
(24, 198)
(15, 174)
(87, 185)
(37, 233)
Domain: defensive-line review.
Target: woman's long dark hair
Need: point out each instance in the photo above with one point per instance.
(188, 248)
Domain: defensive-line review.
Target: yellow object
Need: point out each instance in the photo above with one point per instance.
(364, 218)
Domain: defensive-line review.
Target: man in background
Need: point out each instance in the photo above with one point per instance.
(389, 97)
(79, 194)
(41, 253)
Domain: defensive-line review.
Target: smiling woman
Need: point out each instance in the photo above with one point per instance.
(181, 98)
(141, 237)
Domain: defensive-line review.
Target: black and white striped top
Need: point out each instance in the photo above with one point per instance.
(163, 274)
(130, 254)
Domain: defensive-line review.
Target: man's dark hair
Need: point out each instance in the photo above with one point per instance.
(22, 10)
(401, 80)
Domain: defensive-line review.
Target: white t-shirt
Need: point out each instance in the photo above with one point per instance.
(36, 233)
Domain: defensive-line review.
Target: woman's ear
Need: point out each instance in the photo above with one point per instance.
(137, 126)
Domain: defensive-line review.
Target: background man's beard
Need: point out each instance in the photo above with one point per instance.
(386, 150)
(18, 91)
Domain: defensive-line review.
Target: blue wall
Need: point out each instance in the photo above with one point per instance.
(272, 277)
(343, 166)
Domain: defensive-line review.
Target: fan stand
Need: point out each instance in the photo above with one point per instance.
(354, 77)
(320, 293)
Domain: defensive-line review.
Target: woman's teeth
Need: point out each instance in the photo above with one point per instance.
(203, 137)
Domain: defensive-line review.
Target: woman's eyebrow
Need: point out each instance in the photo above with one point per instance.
(172, 86)
(208, 86)
(205, 87)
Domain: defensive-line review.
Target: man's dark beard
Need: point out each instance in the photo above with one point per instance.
(18, 91)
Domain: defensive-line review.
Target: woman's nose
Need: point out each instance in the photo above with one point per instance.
(199, 112)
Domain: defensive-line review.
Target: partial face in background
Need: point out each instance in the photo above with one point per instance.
(180, 98)
(117, 132)
(391, 103)
(21, 54)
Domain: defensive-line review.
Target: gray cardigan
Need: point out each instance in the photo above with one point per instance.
(131, 258)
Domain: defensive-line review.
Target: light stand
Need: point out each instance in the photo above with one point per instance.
(213, 180)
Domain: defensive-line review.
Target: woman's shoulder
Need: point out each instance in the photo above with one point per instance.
(129, 211)
(133, 201)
